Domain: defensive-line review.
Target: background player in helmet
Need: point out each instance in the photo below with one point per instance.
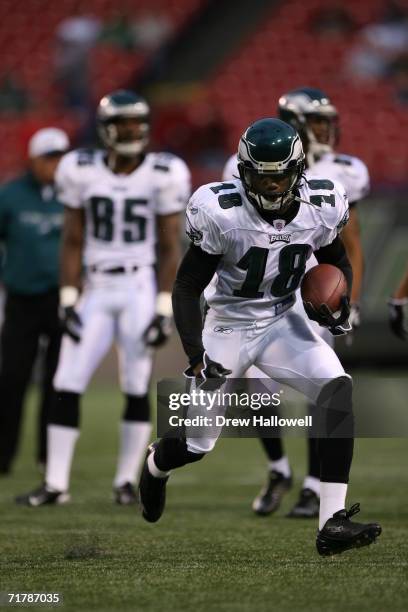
(232, 229)
(118, 203)
(313, 115)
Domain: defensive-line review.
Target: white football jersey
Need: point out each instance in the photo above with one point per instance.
(350, 171)
(262, 263)
(120, 209)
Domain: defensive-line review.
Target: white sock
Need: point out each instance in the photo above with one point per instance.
(153, 469)
(332, 499)
(134, 438)
(312, 483)
(281, 465)
(61, 444)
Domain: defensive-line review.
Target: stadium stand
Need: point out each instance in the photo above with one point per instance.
(285, 53)
(27, 50)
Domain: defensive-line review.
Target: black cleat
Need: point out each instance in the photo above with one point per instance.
(340, 534)
(270, 496)
(307, 505)
(125, 495)
(42, 497)
(152, 491)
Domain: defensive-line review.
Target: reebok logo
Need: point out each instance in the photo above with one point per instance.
(223, 330)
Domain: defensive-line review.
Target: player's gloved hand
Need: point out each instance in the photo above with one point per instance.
(341, 330)
(158, 331)
(70, 322)
(69, 318)
(326, 318)
(397, 318)
(210, 375)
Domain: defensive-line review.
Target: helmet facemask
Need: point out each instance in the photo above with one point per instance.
(109, 134)
(271, 191)
(116, 107)
(300, 108)
(270, 164)
(316, 145)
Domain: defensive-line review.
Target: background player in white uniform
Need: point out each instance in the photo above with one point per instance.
(119, 203)
(314, 116)
(256, 233)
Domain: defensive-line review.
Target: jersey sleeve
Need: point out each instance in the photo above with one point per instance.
(230, 169)
(175, 185)
(356, 180)
(67, 181)
(201, 228)
(334, 217)
(350, 171)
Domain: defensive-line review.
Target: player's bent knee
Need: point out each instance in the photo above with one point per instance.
(137, 408)
(341, 385)
(335, 408)
(65, 409)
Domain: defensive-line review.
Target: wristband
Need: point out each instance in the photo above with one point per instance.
(68, 296)
(163, 304)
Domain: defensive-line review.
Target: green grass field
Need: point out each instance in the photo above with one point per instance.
(209, 552)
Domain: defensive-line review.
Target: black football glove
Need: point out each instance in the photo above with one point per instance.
(70, 322)
(324, 316)
(212, 376)
(158, 331)
(341, 330)
(396, 317)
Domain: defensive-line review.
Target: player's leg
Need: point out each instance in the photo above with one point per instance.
(309, 365)
(279, 475)
(77, 362)
(135, 367)
(19, 343)
(52, 330)
(307, 504)
(173, 452)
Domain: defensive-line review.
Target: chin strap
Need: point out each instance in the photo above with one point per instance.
(303, 201)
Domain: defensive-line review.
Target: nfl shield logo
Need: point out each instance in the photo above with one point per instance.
(279, 224)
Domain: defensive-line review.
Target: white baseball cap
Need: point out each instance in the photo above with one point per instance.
(46, 141)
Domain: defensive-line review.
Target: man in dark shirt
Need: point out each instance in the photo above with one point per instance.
(30, 230)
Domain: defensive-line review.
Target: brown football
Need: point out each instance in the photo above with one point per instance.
(324, 284)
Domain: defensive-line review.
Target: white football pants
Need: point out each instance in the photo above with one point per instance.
(112, 308)
(286, 349)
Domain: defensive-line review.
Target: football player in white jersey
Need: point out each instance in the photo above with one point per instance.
(119, 202)
(256, 234)
(313, 115)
